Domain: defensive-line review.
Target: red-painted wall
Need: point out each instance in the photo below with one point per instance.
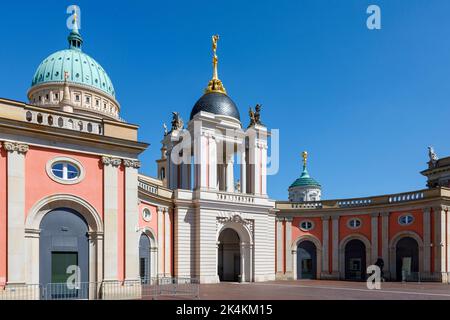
(364, 230)
(416, 226)
(316, 231)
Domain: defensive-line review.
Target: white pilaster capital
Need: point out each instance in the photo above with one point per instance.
(16, 147)
(335, 217)
(385, 214)
(440, 208)
(280, 219)
(136, 164)
(325, 218)
(110, 161)
(375, 215)
(289, 219)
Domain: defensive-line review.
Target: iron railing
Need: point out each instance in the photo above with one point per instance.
(144, 289)
(418, 277)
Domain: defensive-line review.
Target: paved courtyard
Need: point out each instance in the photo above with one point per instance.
(324, 290)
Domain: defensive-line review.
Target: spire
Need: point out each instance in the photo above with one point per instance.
(305, 162)
(75, 39)
(66, 102)
(215, 85)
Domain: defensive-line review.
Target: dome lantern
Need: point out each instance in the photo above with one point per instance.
(75, 39)
(305, 188)
(215, 99)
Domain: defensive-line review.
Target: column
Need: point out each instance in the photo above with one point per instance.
(16, 211)
(167, 243)
(263, 169)
(374, 238)
(93, 276)
(111, 208)
(439, 240)
(280, 246)
(385, 243)
(288, 239)
(160, 236)
(230, 174)
(251, 271)
(243, 271)
(131, 220)
(243, 171)
(200, 159)
(212, 162)
(335, 243)
(427, 240)
(325, 237)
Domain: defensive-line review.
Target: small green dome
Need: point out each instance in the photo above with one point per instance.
(305, 181)
(81, 68)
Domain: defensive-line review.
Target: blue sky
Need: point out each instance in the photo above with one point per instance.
(365, 104)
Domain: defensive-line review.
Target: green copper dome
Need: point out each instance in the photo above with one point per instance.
(81, 68)
(305, 180)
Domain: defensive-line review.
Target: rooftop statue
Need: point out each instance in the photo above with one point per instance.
(177, 122)
(433, 156)
(255, 116)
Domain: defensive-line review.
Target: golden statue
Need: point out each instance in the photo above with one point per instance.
(215, 38)
(215, 85)
(305, 158)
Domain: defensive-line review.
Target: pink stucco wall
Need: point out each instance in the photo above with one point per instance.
(39, 185)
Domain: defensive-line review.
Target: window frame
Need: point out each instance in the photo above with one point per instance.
(300, 225)
(65, 170)
(349, 223)
(405, 216)
(143, 214)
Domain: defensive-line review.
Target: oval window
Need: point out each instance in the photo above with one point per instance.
(65, 170)
(354, 223)
(306, 225)
(406, 220)
(147, 214)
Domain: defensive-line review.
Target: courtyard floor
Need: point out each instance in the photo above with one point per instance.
(324, 290)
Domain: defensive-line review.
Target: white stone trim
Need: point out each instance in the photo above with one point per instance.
(393, 248)
(342, 245)
(294, 247)
(32, 231)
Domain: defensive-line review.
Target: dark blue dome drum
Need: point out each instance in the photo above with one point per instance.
(216, 103)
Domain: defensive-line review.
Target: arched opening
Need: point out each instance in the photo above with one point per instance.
(64, 255)
(145, 259)
(355, 260)
(306, 260)
(407, 258)
(229, 256)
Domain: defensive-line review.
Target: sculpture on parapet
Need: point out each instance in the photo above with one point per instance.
(255, 116)
(177, 122)
(433, 156)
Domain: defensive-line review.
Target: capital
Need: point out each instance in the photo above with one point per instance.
(109, 161)
(132, 163)
(16, 147)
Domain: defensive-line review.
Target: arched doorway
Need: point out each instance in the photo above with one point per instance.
(64, 255)
(355, 260)
(229, 256)
(407, 258)
(145, 259)
(306, 260)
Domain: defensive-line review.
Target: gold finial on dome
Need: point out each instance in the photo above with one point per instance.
(305, 158)
(215, 85)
